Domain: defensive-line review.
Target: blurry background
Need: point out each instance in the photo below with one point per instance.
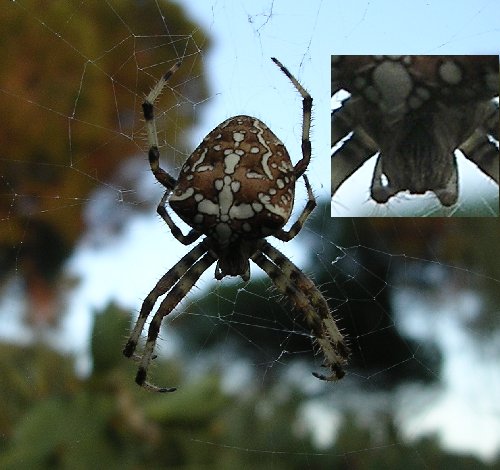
(81, 246)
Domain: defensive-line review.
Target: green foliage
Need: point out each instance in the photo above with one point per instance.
(105, 344)
(51, 419)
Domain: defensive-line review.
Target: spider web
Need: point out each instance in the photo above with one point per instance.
(427, 289)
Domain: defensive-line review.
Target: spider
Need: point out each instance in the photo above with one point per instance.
(235, 189)
(415, 110)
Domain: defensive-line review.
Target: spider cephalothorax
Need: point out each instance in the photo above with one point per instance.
(236, 189)
(415, 110)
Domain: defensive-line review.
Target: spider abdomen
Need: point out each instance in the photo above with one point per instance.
(238, 183)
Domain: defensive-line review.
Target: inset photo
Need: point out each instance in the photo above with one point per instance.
(414, 135)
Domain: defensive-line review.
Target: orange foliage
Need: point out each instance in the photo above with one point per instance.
(72, 77)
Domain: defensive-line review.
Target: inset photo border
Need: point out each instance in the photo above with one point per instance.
(414, 135)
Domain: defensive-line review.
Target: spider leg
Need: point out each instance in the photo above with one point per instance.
(308, 300)
(307, 101)
(176, 294)
(148, 110)
(492, 123)
(192, 236)
(341, 122)
(298, 224)
(354, 151)
(162, 287)
(479, 149)
(484, 153)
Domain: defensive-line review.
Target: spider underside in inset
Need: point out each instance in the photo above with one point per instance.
(235, 189)
(416, 111)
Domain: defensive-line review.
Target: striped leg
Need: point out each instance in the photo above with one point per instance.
(479, 149)
(492, 122)
(353, 152)
(192, 235)
(148, 110)
(308, 300)
(307, 101)
(162, 287)
(298, 224)
(176, 294)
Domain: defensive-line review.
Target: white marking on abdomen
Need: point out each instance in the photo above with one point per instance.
(241, 211)
(231, 160)
(181, 197)
(265, 199)
(268, 154)
(206, 206)
(450, 72)
(238, 137)
(225, 196)
(200, 160)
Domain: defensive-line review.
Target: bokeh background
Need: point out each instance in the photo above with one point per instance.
(81, 246)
